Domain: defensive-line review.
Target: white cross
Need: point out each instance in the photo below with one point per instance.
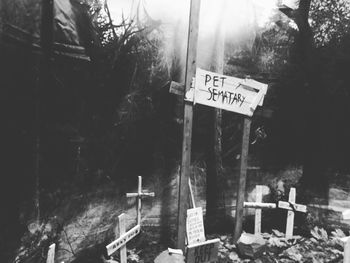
(292, 207)
(139, 196)
(120, 243)
(258, 205)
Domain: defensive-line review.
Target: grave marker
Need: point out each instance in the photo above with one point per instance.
(51, 254)
(195, 226)
(203, 252)
(124, 238)
(258, 205)
(139, 196)
(292, 207)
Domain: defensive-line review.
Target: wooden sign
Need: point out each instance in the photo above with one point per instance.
(195, 226)
(51, 254)
(203, 252)
(124, 237)
(228, 93)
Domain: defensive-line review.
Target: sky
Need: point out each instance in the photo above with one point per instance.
(236, 19)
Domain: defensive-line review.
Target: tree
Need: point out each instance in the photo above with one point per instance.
(319, 25)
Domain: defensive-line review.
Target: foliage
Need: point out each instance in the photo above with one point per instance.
(330, 21)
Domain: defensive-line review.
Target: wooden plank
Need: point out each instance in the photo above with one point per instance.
(203, 252)
(177, 88)
(51, 254)
(188, 121)
(242, 179)
(139, 205)
(123, 239)
(259, 205)
(290, 216)
(123, 255)
(297, 207)
(257, 223)
(144, 194)
(228, 93)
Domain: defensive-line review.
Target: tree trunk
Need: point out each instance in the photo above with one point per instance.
(314, 178)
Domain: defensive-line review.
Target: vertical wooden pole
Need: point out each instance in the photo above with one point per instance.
(242, 179)
(46, 42)
(121, 225)
(257, 225)
(139, 196)
(188, 120)
(51, 254)
(290, 215)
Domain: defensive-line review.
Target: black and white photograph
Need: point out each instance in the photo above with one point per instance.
(175, 131)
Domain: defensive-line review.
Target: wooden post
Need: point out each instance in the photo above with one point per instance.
(188, 120)
(242, 179)
(257, 224)
(46, 42)
(51, 254)
(121, 225)
(347, 250)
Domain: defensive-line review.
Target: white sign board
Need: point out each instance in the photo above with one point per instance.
(228, 93)
(195, 226)
(203, 252)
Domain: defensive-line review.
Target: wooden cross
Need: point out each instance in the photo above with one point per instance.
(124, 238)
(258, 205)
(292, 207)
(51, 254)
(139, 196)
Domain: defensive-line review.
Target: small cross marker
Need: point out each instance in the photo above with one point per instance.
(258, 205)
(292, 207)
(139, 196)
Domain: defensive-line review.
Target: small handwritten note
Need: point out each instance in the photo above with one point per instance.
(195, 226)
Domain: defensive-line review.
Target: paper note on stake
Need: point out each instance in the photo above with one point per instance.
(195, 226)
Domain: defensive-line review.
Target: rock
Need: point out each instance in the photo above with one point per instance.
(250, 245)
(166, 257)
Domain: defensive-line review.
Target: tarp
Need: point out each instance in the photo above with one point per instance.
(26, 15)
(65, 20)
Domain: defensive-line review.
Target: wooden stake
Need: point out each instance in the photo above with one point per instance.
(242, 179)
(191, 193)
(347, 250)
(51, 254)
(257, 225)
(121, 225)
(188, 120)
